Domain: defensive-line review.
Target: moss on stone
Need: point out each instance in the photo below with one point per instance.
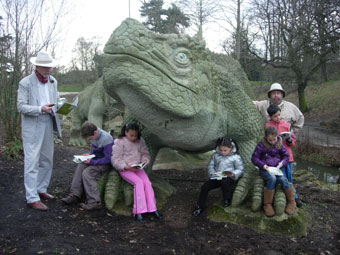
(293, 225)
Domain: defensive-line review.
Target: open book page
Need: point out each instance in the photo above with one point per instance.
(80, 158)
(219, 175)
(139, 166)
(274, 171)
(65, 108)
(285, 135)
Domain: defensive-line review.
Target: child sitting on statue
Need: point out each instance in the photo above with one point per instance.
(129, 151)
(285, 131)
(225, 168)
(88, 172)
(270, 155)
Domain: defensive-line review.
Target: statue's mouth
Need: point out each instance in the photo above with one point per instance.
(150, 63)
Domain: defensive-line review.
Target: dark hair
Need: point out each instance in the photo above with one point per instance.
(87, 129)
(227, 142)
(270, 130)
(130, 126)
(272, 109)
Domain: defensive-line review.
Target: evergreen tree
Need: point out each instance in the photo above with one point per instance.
(163, 21)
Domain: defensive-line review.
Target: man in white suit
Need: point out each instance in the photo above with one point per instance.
(37, 99)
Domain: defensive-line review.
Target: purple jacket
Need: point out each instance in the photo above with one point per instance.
(102, 148)
(270, 155)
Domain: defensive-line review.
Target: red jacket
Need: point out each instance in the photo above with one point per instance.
(284, 126)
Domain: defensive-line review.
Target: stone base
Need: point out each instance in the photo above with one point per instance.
(294, 225)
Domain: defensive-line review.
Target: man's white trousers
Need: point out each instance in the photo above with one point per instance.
(38, 151)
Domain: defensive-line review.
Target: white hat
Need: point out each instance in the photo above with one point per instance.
(43, 59)
(276, 86)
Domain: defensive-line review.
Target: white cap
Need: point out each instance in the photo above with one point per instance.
(276, 86)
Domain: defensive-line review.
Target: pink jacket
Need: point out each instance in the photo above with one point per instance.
(284, 126)
(125, 152)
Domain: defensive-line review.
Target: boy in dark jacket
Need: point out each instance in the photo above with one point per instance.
(269, 154)
(88, 172)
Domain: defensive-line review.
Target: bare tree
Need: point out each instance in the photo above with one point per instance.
(200, 12)
(83, 65)
(28, 26)
(84, 51)
(299, 35)
(232, 14)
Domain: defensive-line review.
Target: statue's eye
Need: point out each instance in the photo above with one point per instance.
(182, 58)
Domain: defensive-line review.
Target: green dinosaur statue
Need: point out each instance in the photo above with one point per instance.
(94, 105)
(185, 97)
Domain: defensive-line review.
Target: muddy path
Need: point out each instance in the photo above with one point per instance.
(71, 230)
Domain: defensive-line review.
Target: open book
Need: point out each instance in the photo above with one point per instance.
(272, 170)
(219, 175)
(139, 166)
(64, 108)
(81, 158)
(285, 135)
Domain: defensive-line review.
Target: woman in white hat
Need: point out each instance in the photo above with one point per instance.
(37, 94)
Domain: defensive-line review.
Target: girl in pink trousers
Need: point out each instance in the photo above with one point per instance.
(129, 150)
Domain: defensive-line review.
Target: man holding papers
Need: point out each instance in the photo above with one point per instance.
(88, 172)
(37, 94)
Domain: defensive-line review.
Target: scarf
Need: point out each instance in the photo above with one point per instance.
(41, 78)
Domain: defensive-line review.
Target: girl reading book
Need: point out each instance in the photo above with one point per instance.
(129, 150)
(225, 168)
(270, 152)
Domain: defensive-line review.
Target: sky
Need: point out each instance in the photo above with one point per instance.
(98, 18)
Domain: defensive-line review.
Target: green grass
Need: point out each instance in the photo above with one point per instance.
(72, 87)
(323, 99)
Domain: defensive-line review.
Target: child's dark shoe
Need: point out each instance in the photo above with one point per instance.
(197, 212)
(139, 218)
(226, 203)
(298, 202)
(70, 199)
(158, 215)
(92, 206)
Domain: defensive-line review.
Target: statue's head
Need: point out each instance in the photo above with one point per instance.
(166, 70)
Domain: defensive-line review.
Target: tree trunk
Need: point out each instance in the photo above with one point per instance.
(302, 98)
(323, 73)
(238, 31)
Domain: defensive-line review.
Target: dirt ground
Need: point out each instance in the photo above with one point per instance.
(70, 230)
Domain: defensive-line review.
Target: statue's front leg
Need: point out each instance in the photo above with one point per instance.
(77, 122)
(245, 184)
(96, 112)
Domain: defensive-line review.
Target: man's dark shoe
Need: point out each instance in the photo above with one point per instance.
(38, 205)
(158, 215)
(226, 203)
(198, 211)
(92, 206)
(139, 218)
(71, 199)
(46, 196)
(298, 202)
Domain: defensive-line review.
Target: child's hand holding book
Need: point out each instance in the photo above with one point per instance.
(139, 166)
(286, 136)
